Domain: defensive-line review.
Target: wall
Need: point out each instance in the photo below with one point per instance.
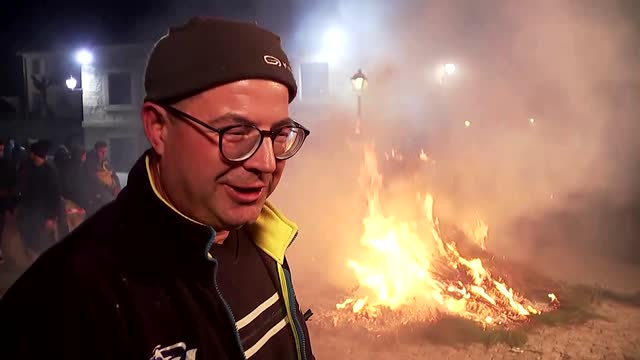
(118, 125)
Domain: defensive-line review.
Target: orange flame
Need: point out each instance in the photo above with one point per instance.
(423, 155)
(478, 232)
(407, 263)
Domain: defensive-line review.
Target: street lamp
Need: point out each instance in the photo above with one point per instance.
(333, 45)
(359, 83)
(71, 83)
(449, 69)
(84, 57)
(334, 38)
(446, 70)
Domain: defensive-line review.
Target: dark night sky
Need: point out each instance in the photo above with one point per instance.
(45, 24)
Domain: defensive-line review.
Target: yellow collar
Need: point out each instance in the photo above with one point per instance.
(272, 232)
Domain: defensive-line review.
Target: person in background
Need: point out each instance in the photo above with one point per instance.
(20, 155)
(7, 186)
(61, 161)
(76, 184)
(103, 185)
(39, 200)
(9, 147)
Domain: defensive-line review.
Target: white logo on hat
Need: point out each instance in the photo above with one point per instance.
(272, 60)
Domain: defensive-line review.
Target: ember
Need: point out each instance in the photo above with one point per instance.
(407, 267)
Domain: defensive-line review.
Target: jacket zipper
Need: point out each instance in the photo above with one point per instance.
(224, 302)
(290, 304)
(294, 314)
(294, 317)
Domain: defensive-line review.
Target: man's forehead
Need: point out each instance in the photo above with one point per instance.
(260, 101)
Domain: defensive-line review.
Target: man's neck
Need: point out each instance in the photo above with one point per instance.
(221, 235)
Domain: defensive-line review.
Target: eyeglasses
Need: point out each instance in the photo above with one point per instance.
(240, 142)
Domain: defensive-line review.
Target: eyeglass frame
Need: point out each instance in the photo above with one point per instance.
(220, 131)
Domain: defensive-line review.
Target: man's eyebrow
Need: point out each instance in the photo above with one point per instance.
(230, 117)
(282, 123)
(235, 118)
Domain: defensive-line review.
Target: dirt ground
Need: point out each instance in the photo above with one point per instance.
(617, 337)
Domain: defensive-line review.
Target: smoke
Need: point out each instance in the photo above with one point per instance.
(566, 180)
(561, 180)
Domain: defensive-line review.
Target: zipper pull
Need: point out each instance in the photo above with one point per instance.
(307, 315)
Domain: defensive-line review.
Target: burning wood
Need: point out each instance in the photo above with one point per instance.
(407, 267)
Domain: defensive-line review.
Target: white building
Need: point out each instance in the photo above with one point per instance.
(112, 93)
(109, 89)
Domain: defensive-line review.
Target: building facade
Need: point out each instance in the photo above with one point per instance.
(112, 94)
(104, 106)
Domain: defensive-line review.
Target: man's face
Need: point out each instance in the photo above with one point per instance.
(37, 160)
(198, 178)
(101, 152)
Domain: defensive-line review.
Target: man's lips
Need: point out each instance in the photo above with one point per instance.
(245, 194)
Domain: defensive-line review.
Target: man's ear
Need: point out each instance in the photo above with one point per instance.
(155, 122)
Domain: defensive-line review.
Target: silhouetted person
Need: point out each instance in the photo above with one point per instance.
(20, 155)
(103, 184)
(7, 186)
(61, 160)
(76, 182)
(39, 200)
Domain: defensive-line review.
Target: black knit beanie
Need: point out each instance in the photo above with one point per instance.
(209, 52)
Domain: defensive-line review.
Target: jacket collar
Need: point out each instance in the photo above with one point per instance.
(176, 233)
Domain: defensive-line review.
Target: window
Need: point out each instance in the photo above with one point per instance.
(119, 88)
(36, 66)
(314, 80)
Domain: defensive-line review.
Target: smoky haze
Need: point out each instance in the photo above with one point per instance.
(562, 185)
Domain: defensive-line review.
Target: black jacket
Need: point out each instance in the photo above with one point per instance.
(39, 191)
(133, 280)
(8, 183)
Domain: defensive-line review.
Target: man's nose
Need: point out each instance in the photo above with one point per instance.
(264, 159)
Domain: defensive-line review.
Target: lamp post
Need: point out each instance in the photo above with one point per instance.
(359, 83)
(83, 57)
(71, 83)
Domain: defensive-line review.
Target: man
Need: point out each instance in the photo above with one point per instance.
(75, 180)
(39, 200)
(103, 184)
(7, 187)
(189, 261)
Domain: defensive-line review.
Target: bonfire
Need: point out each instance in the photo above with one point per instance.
(407, 269)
